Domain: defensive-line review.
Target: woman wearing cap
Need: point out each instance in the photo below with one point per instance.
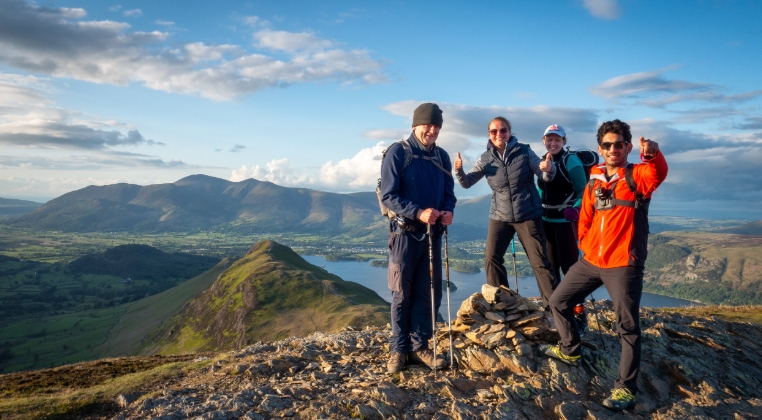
(510, 167)
(561, 199)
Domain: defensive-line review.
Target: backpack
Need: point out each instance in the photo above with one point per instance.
(409, 156)
(587, 157)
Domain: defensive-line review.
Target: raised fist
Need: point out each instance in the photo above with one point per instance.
(648, 148)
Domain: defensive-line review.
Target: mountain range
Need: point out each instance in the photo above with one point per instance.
(203, 202)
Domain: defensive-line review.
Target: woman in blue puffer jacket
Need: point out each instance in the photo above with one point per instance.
(510, 167)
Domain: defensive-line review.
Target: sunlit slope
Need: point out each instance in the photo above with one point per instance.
(146, 316)
(713, 268)
(269, 294)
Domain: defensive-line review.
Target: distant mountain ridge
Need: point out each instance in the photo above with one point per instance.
(202, 202)
(13, 207)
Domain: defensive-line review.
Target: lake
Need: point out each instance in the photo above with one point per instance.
(374, 278)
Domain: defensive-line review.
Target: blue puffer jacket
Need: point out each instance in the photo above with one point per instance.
(420, 186)
(514, 194)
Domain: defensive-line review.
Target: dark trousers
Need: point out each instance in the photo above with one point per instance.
(532, 237)
(561, 243)
(410, 283)
(625, 286)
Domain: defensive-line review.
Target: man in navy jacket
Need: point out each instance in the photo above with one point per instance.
(417, 185)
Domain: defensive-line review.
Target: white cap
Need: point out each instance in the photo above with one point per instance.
(555, 129)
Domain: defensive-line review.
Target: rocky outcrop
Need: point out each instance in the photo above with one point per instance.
(699, 368)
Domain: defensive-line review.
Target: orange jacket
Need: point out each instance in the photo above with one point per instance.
(618, 237)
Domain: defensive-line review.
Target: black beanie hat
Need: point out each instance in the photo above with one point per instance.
(428, 113)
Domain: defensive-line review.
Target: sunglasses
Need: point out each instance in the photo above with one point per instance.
(502, 131)
(618, 145)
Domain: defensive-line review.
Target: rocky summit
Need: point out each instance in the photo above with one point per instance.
(698, 368)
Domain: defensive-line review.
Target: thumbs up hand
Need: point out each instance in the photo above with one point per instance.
(648, 148)
(547, 164)
(458, 163)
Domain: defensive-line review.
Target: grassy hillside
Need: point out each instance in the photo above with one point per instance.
(50, 316)
(10, 207)
(753, 228)
(269, 294)
(144, 317)
(710, 267)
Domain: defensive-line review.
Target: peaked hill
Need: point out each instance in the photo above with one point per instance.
(201, 202)
(271, 293)
(142, 262)
(13, 207)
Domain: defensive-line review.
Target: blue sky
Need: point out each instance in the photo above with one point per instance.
(308, 94)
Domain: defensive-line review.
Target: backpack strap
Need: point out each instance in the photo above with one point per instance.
(628, 177)
(435, 160)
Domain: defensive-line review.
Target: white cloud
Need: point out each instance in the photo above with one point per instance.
(604, 9)
(361, 171)
(28, 118)
(115, 8)
(277, 171)
(387, 134)
(164, 22)
(290, 41)
(133, 13)
(636, 84)
(653, 90)
(109, 52)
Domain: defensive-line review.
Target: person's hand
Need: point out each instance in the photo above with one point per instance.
(446, 218)
(648, 148)
(547, 164)
(571, 214)
(458, 163)
(428, 216)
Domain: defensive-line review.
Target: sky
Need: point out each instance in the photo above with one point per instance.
(308, 94)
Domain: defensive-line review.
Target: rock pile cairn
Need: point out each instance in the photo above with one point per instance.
(495, 332)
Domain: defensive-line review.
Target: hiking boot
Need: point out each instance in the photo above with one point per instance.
(554, 351)
(620, 399)
(396, 362)
(426, 357)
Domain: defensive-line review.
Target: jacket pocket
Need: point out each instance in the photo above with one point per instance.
(394, 277)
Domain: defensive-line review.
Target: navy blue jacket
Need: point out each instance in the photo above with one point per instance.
(422, 185)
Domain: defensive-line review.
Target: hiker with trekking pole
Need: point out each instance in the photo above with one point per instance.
(613, 238)
(415, 192)
(510, 167)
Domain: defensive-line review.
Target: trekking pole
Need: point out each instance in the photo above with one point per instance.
(515, 273)
(597, 321)
(433, 315)
(449, 314)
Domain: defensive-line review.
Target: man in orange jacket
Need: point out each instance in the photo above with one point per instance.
(613, 235)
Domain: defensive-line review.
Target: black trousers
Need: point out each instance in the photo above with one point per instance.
(532, 237)
(561, 243)
(625, 286)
